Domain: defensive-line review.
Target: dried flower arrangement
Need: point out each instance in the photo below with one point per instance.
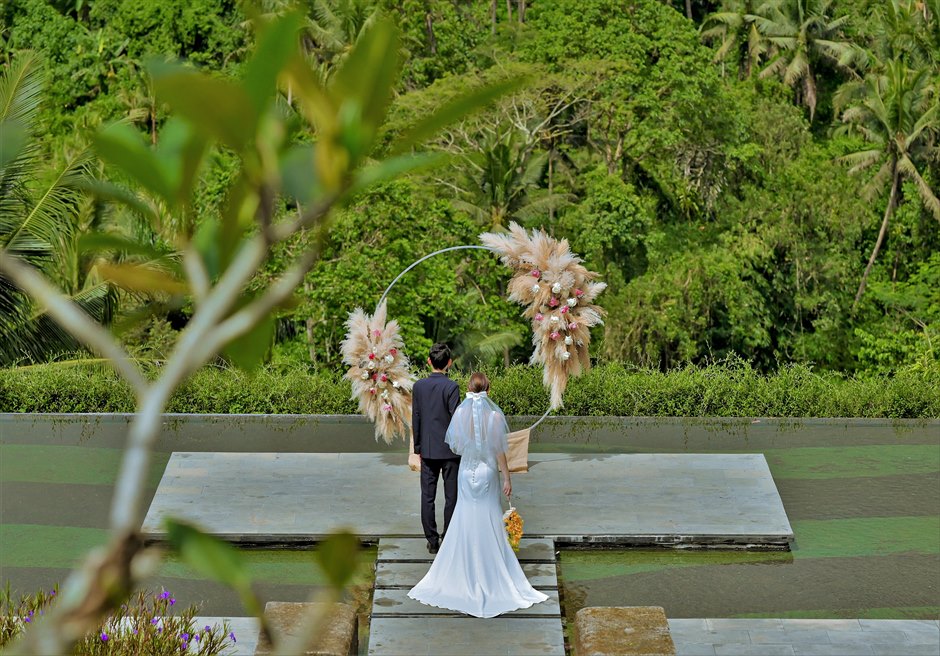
(379, 371)
(558, 294)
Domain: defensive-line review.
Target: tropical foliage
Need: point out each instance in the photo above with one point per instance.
(751, 177)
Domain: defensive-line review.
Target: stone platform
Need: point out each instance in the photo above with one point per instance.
(625, 499)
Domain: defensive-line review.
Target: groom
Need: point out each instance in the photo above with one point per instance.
(434, 400)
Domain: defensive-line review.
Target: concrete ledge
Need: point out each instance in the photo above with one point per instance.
(341, 631)
(623, 631)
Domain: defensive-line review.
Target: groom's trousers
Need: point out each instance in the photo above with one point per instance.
(431, 469)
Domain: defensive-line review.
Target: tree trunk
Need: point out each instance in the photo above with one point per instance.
(429, 27)
(688, 9)
(551, 170)
(809, 95)
(508, 12)
(520, 10)
(493, 16)
(892, 200)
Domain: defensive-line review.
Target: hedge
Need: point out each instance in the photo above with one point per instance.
(730, 389)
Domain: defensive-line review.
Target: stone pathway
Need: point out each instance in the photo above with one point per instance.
(636, 499)
(400, 625)
(773, 637)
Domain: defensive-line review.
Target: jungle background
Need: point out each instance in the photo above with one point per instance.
(756, 181)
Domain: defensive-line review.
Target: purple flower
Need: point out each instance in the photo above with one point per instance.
(135, 631)
(196, 637)
(155, 621)
(52, 594)
(232, 636)
(207, 628)
(27, 619)
(164, 595)
(159, 629)
(184, 646)
(104, 637)
(172, 601)
(185, 636)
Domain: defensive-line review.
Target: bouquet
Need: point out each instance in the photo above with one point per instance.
(513, 522)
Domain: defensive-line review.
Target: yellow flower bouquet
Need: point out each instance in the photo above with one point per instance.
(513, 522)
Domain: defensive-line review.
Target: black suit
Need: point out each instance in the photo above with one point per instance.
(434, 400)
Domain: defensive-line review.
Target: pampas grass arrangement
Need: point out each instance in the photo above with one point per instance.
(379, 372)
(558, 295)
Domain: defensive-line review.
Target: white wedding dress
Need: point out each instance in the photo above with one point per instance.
(476, 571)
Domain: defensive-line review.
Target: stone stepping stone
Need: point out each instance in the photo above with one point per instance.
(401, 625)
(459, 636)
(397, 602)
(407, 574)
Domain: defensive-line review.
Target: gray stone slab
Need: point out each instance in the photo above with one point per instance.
(833, 650)
(415, 549)
(446, 636)
(397, 602)
(245, 630)
(809, 637)
(739, 649)
(621, 498)
(390, 575)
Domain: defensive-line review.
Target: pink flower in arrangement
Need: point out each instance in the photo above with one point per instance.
(372, 390)
(553, 302)
(579, 293)
(372, 356)
(573, 325)
(387, 407)
(555, 335)
(564, 309)
(539, 316)
(376, 333)
(383, 378)
(375, 376)
(393, 351)
(536, 273)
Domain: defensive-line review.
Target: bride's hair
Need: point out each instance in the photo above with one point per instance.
(478, 383)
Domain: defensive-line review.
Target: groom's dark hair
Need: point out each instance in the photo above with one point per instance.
(440, 355)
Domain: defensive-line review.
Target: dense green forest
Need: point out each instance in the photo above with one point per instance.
(751, 178)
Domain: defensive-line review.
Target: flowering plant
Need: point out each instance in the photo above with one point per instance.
(513, 522)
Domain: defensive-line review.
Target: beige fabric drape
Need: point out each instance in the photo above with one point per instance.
(518, 456)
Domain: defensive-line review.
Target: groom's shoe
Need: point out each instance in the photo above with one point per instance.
(432, 548)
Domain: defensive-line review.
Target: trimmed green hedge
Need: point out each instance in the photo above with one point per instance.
(721, 390)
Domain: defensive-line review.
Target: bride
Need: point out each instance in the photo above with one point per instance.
(475, 571)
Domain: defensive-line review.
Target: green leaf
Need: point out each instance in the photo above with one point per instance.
(276, 43)
(394, 167)
(140, 278)
(214, 558)
(299, 173)
(12, 141)
(208, 555)
(103, 241)
(110, 191)
(249, 350)
(219, 108)
(454, 111)
(181, 151)
(123, 146)
(363, 85)
(337, 556)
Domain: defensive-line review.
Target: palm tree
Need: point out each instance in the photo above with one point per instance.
(38, 208)
(897, 112)
(497, 180)
(736, 28)
(334, 27)
(801, 33)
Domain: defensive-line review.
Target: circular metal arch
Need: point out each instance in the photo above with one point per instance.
(428, 257)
